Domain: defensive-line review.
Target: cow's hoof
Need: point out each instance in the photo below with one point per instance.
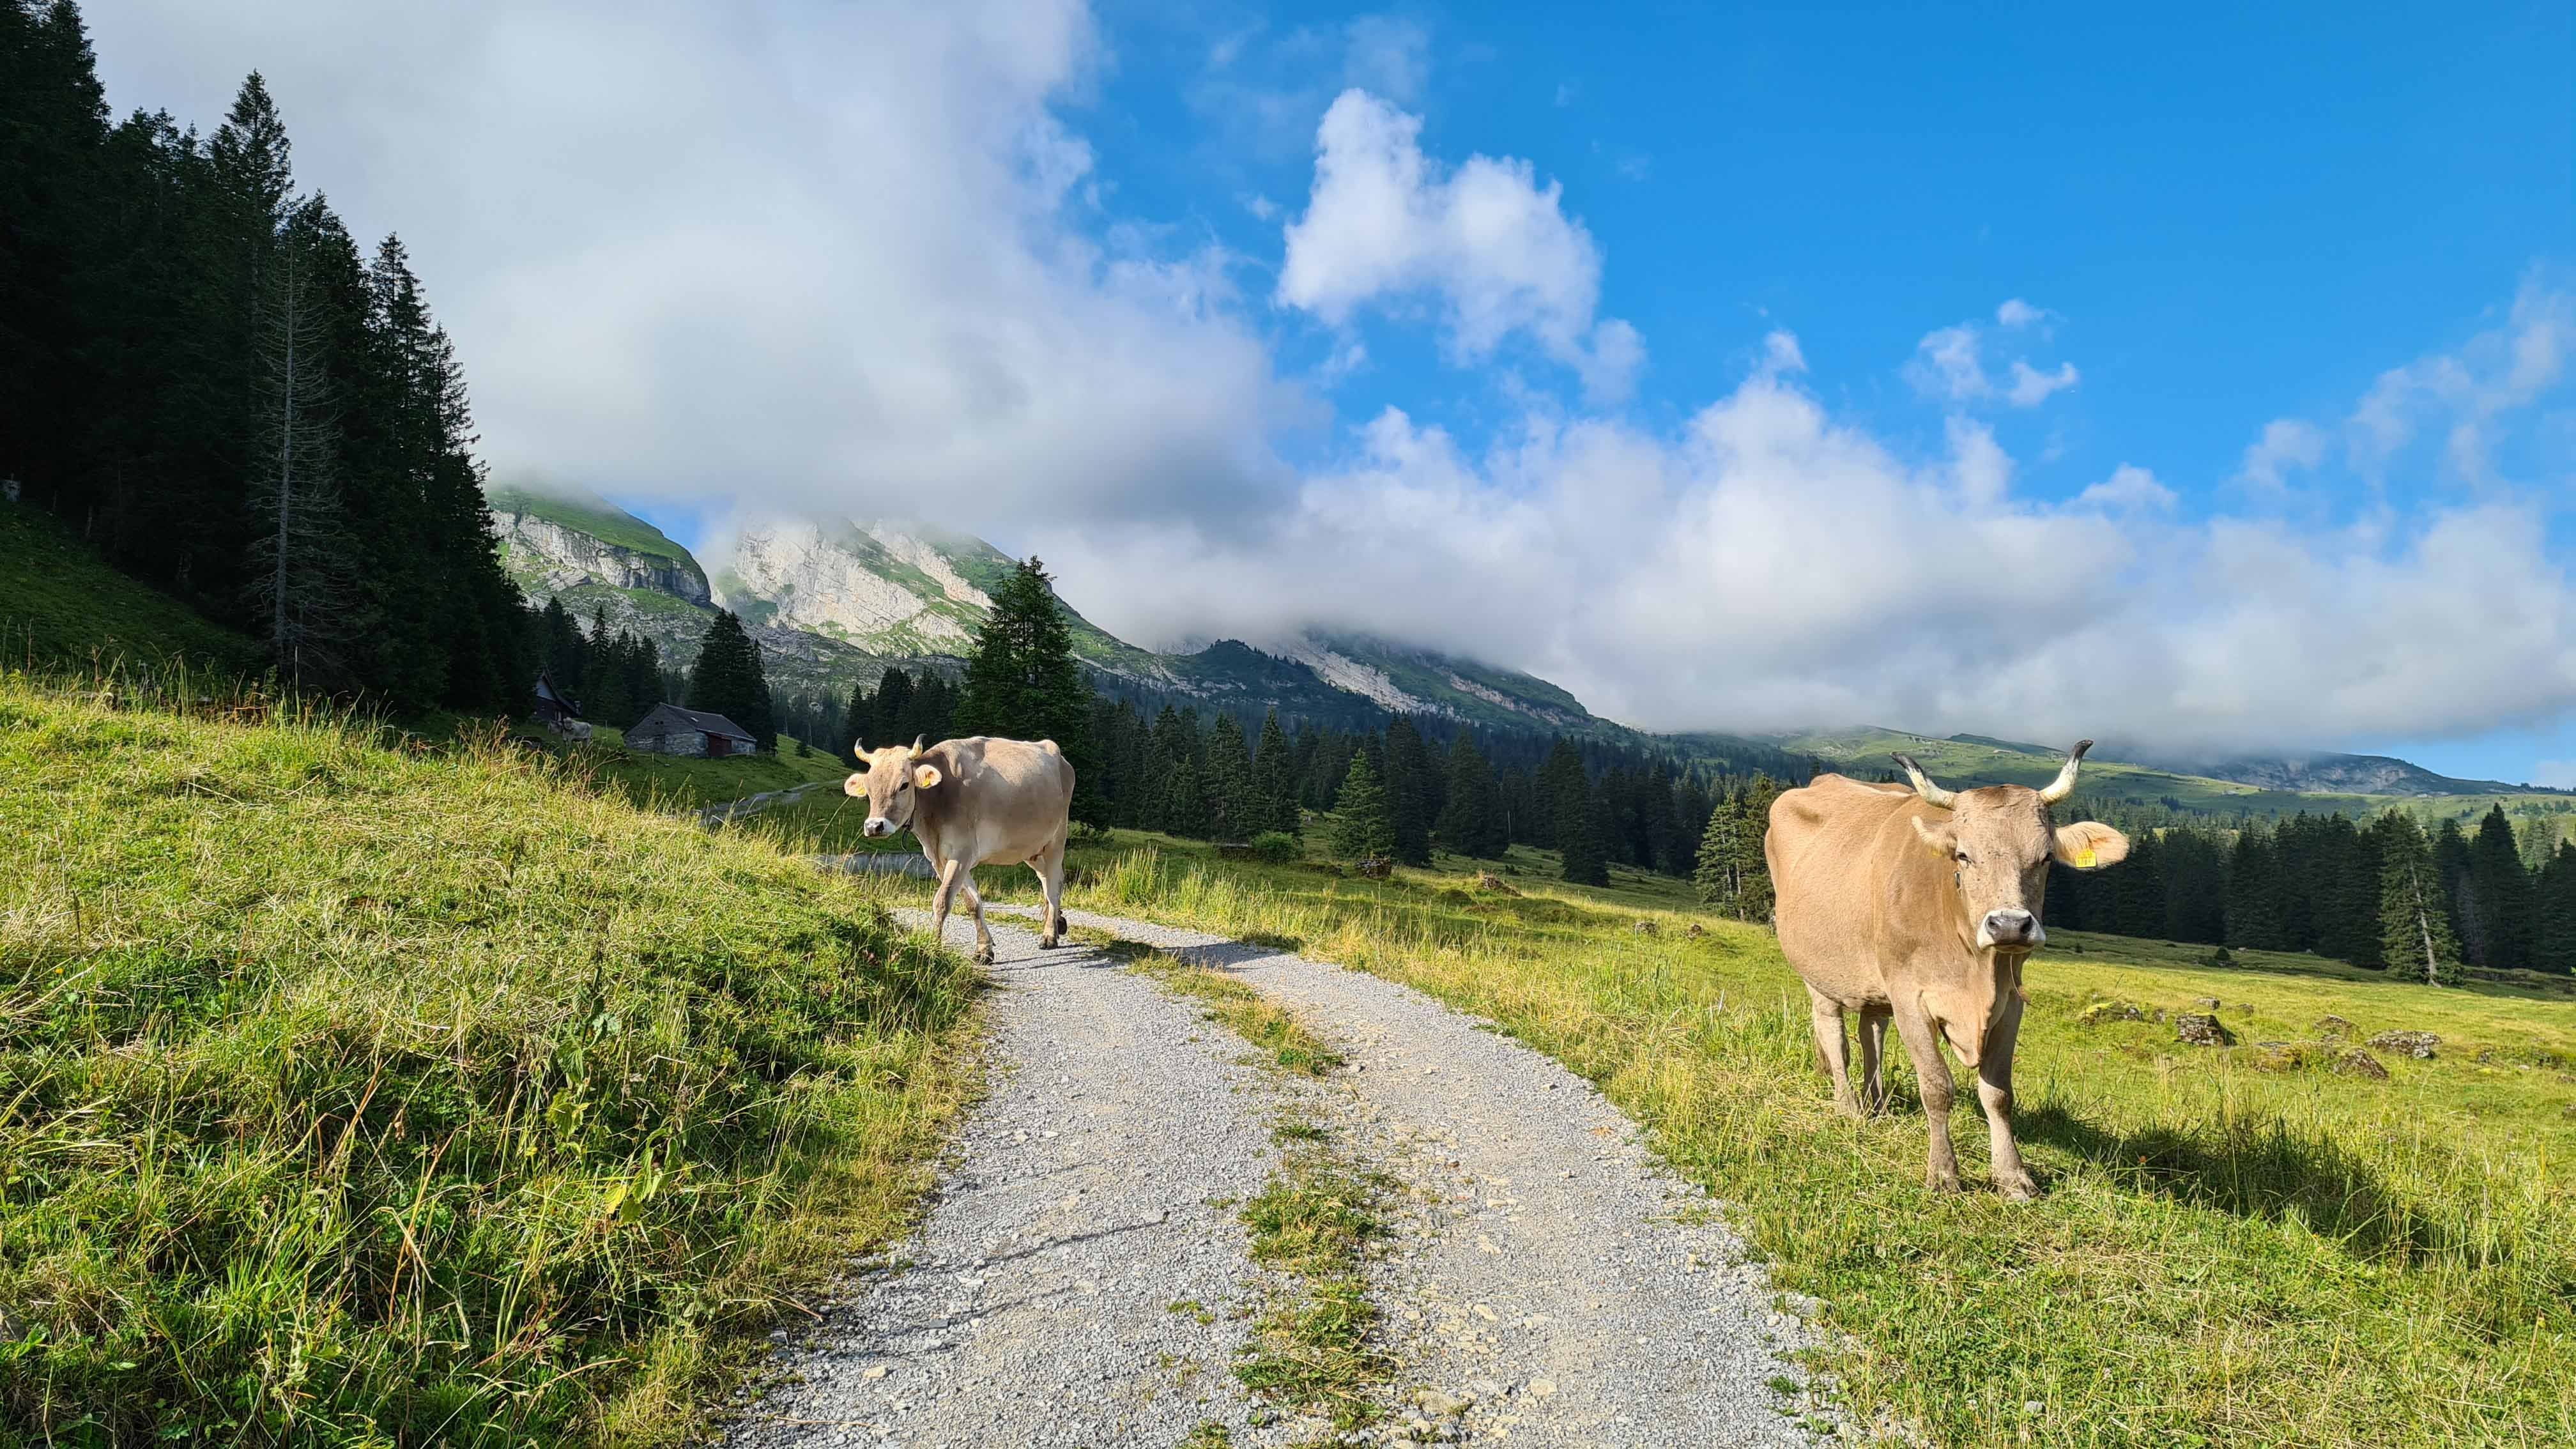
(1046, 943)
(1935, 1182)
(2018, 1189)
(1851, 1107)
(983, 956)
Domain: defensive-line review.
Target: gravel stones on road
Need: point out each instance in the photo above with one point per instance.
(1552, 1280)
(1091, 1191)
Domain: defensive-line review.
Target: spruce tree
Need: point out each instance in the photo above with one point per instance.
(1581, 831)
(1274, 771)
(1468, 823)
(728, 679)
(2414, 928)
(2554, 913)
(1022, 681)
(1408, 791)
(2503, 891)
(1364, 827)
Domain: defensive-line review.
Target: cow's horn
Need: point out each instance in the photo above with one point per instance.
(859, 748)
(2064, 785)
(916, 744)
(1932, 794)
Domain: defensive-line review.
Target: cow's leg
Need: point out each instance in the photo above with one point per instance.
(1932, 1074)
(1994, 1093)
(1873, 1059)
(940, 898)
(1050, 868)
(1826, 1014)
(975, 903)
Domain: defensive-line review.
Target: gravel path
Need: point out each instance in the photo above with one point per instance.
(1035, 1305)
(1552, 1284)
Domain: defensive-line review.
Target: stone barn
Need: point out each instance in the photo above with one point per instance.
(671, 730)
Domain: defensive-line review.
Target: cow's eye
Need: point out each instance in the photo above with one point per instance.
(1963, 857)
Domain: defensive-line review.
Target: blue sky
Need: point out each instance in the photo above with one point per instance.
(2200, 378)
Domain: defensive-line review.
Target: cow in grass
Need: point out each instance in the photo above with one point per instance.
(1920, 904)
(971, 802)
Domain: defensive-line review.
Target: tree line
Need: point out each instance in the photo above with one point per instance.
(222, 391)
(2384, 893)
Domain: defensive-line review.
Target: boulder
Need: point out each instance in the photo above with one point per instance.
(2359, 1063)
(2282, 1056)
(1644, 928)
(1493, 884)
(2201, 1029)
(1696, 929)
(1377, 867)
(2207, 1003)
(2102, 1011)
(2331, 1027)
(2416, 1044)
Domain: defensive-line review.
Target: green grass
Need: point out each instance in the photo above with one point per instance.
(62, 603)
(585, 512)
(1230, 1003)
(676, 782)
(2225, 1254)
(367, 1096)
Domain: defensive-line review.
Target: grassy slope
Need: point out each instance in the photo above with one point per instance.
(2225, 1254)
(678, 782)
(60, 601)
(360, 1096)
(593, 515)
(1964, 762)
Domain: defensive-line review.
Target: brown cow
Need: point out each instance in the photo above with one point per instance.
(1921, 904)
(970, 802)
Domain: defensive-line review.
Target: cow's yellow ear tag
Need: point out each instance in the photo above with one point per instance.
(2084, 859)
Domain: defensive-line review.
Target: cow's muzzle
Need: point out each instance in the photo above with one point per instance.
(878, 826)
(2010, 930)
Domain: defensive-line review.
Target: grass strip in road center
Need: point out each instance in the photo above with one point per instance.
(1313, 1346)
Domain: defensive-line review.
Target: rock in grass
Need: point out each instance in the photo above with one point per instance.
(2282, 1056)
(2359, 1063)
(1643, 928)
(2102, 1011)
(2416, 1044)
(2331, 1027)
(2201, 1029)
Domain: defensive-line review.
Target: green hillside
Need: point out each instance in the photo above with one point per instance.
(583, 511)
(361, 1096)
(60, 602)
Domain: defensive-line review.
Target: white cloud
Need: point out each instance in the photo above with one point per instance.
(2286, 444)
(834, 257)
(1949, 363)
(1493, 245)
(2464, 393)
(2128, 488)
(1388, 55)
(2031, 387)
(1566, 92)
(2016, 313)
(1765, 565)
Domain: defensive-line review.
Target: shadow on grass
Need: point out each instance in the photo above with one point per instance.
(2266, 1171)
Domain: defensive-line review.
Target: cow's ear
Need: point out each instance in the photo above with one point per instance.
(1942, 839)
(856, 787)
(2090, 845)
(926, 776)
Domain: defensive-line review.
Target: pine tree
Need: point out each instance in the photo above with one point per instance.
(2415, 930)
(728, 679)
(1408, 791)
(1365, 827)
(1581, 830)
(1239, 811)
(1274, 771)
(305, 579)
(2554, 913)
(1468, 823)
(2503, 891)
(1022, 681)
(1560, 778)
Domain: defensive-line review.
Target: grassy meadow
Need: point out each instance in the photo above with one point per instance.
(354, 1095)
(2237, 1245)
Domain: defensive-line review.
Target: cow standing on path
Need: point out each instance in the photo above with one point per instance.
(970, 802)
(1921, 904)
